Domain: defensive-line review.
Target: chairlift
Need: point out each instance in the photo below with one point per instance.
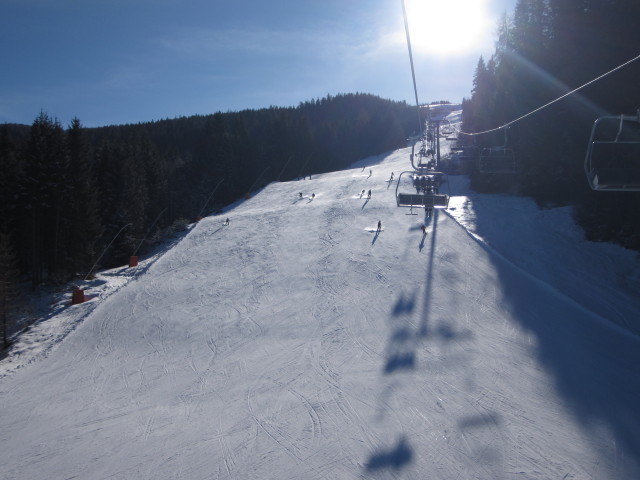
(612, 162)
(447, 130)
(426, 163)
(417, 194)
(497, 160)
(469, 152)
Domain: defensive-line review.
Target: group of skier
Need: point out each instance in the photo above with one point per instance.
(425, 184)
(368, 193)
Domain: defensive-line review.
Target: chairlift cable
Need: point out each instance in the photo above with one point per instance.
(553, 101)
(413, 73)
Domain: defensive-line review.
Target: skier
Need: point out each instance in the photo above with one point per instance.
(369, 194)
(424, 230)
(391, 175)
(428, 185)
(362, 193)
(300, 195)
(379, 226)
(313, 195)
(226, 221)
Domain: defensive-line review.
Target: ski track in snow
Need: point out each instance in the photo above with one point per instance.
(298, 343)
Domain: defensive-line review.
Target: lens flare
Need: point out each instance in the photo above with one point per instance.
(448, 27)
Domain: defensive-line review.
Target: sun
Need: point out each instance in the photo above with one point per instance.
(448, 27)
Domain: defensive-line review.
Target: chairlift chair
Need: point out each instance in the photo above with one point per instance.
(497, 160)
(410, 196)
(446, 130)
(612, 162)
(424, 159)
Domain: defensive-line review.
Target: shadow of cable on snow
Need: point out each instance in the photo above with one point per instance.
(423, 328)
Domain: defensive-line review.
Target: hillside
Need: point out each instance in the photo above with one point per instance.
(296, 342)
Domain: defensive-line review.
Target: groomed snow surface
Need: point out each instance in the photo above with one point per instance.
(298, 343)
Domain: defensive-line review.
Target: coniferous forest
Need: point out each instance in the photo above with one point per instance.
(67, 192)
(543, 51)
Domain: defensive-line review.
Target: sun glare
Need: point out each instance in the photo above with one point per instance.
(448, 27)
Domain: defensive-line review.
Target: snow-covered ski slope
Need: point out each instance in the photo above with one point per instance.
(296, 343)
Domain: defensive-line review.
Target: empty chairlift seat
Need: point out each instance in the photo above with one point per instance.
(498, 160)
(422, 200)
(612, 162)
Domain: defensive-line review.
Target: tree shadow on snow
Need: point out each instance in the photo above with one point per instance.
(595, 364)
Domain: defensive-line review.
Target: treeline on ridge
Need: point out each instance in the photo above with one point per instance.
(544, 50)
(65, 193)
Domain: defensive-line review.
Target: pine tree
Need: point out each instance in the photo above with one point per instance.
(84, 219)
(8, 281)
(9, 182)
(45, 193)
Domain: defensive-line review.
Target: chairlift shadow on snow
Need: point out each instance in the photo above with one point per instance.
(400, 348)
(393, 459)
(444, 331)
(400, 361)
(479, 421)
(404, 305)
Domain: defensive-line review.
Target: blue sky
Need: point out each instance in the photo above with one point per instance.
(126, 61)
